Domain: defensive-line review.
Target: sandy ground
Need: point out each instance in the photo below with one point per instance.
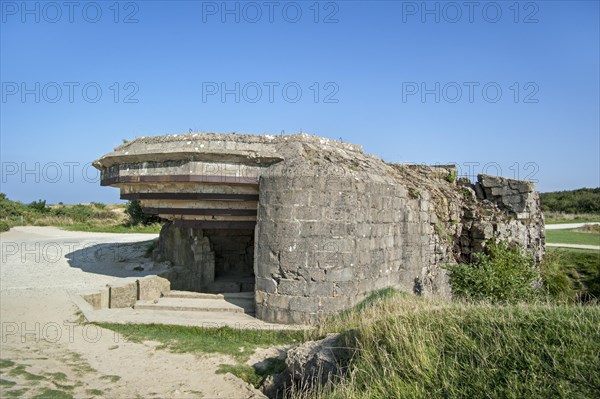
(44, 347)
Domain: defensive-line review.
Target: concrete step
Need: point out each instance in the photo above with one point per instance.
(192, 295)
(238, 295)
(196, 305)
(204, 295)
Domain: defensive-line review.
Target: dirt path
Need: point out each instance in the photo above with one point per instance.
(576, 246)
(44, 348)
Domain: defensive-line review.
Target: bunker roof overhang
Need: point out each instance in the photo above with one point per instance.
(197, 180)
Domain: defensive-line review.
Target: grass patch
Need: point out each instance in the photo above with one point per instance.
(344, 318)
(562, 218)
(111, 378)
(16, 393)
(65, 387)
(119, 228)
(573, 236)
(150, 249)
(58, 376)
(7, 383)
(52, 394)
(5, 363)
(410, 347)
(20, 371)
(180, 339)
(374, 297)
(94, 392)
(572, 274)
(77, 361)
(251, 374)
(242, 371)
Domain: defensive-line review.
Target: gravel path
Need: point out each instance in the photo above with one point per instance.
(576, 246)
(40, 269)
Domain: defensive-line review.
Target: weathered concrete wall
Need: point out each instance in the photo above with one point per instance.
(334, 229)
(126, 294)
(332, 223)
(189, 251)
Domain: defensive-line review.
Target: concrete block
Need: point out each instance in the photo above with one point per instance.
(293, 256)
(343, 274)
(319, 289)
(282, 316)
(153, 287)
(336, 214)
(364, 258)
(277, 301)
(341, 229)
(98, 299)
(123, 296)
(316, 274)
(313, 228)
(291, 287)
(260, 297)
(345, 288)
(303, 304)
(266, 284)
(297, 317)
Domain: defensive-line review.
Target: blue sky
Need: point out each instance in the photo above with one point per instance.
(502, 87)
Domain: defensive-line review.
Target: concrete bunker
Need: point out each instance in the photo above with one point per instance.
(310, 224)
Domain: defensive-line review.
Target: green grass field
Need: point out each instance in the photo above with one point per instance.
(408, 347)
(412, 347)
(572, 274)
(573, 236)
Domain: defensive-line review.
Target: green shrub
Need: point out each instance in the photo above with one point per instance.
(39, 206)
(78, 213)
(10, 208)
(451, 177)
(501, 275)
(583, 200)
(4, 226)
(106, 215)
(134, 210)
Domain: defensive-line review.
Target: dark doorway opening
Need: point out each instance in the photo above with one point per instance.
(234, 260)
